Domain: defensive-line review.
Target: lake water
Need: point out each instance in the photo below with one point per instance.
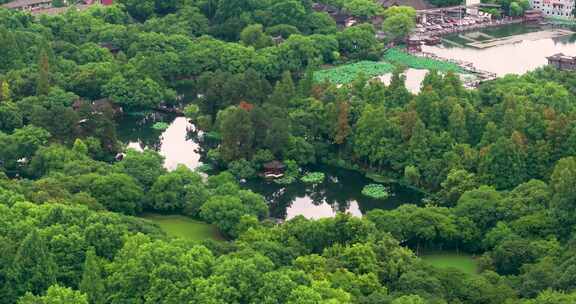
(175, 143)
(516, 56)
(414, 79)
(340, 191)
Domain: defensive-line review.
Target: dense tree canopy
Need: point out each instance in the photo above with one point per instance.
(497, 163)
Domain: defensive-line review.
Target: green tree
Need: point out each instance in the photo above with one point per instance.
(118, 192)
(10, 55)
(399, 22)
(253, 35)
(43, 83)
(144, 166)
(33, 269)
(362, 8)
(563, 183)
(170, 191)
(457, 182)
(92, 283)
(237, 134)
(55, 295)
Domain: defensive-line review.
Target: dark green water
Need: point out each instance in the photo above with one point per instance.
(340, 191)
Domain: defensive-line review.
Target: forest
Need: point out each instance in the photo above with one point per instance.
(498, 163)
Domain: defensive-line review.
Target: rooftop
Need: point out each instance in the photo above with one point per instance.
(561, 57)
(416, 4)
(24, 3)
(59, 10)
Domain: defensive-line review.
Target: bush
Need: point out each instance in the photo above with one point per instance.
(313, 178)
(376, 191)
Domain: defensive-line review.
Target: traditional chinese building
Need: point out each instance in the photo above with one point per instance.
(533, 15)
(562, 62)
(554, 8)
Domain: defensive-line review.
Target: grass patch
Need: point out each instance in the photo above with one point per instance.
(399, 57)
(349, 72)
(185, 227)
(462, 262)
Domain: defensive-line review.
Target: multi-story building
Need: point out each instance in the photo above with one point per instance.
(554, 8)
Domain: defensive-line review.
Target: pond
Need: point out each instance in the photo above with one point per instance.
(340, 191)
(414, 78)
(510, 49)
(175, 143)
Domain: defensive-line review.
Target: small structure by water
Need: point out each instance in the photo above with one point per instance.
(274, 169)
(562, 62)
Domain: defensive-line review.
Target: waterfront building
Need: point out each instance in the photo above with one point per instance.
(41, 6)
(28, 5)
(554, 8)
(562, 62)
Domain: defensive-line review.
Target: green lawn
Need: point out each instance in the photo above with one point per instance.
(184, 227)
(463, 262)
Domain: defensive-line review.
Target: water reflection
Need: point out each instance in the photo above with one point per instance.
(175, 143)
(414, 79)
(515, 58)
(340, 192)
(306, 207)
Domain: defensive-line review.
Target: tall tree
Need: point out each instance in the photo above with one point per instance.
(563, 183)
(284, 90)
(92, 284)
(34, 269)
(237, 134)
(43, 84)
(343, 124)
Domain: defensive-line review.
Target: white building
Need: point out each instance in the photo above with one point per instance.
(554, 8)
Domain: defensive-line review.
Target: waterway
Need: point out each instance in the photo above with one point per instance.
(340, 191)
(521, 48)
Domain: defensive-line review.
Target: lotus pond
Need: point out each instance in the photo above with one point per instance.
(339, 190)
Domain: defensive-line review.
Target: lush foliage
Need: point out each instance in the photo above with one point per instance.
(499, 163)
